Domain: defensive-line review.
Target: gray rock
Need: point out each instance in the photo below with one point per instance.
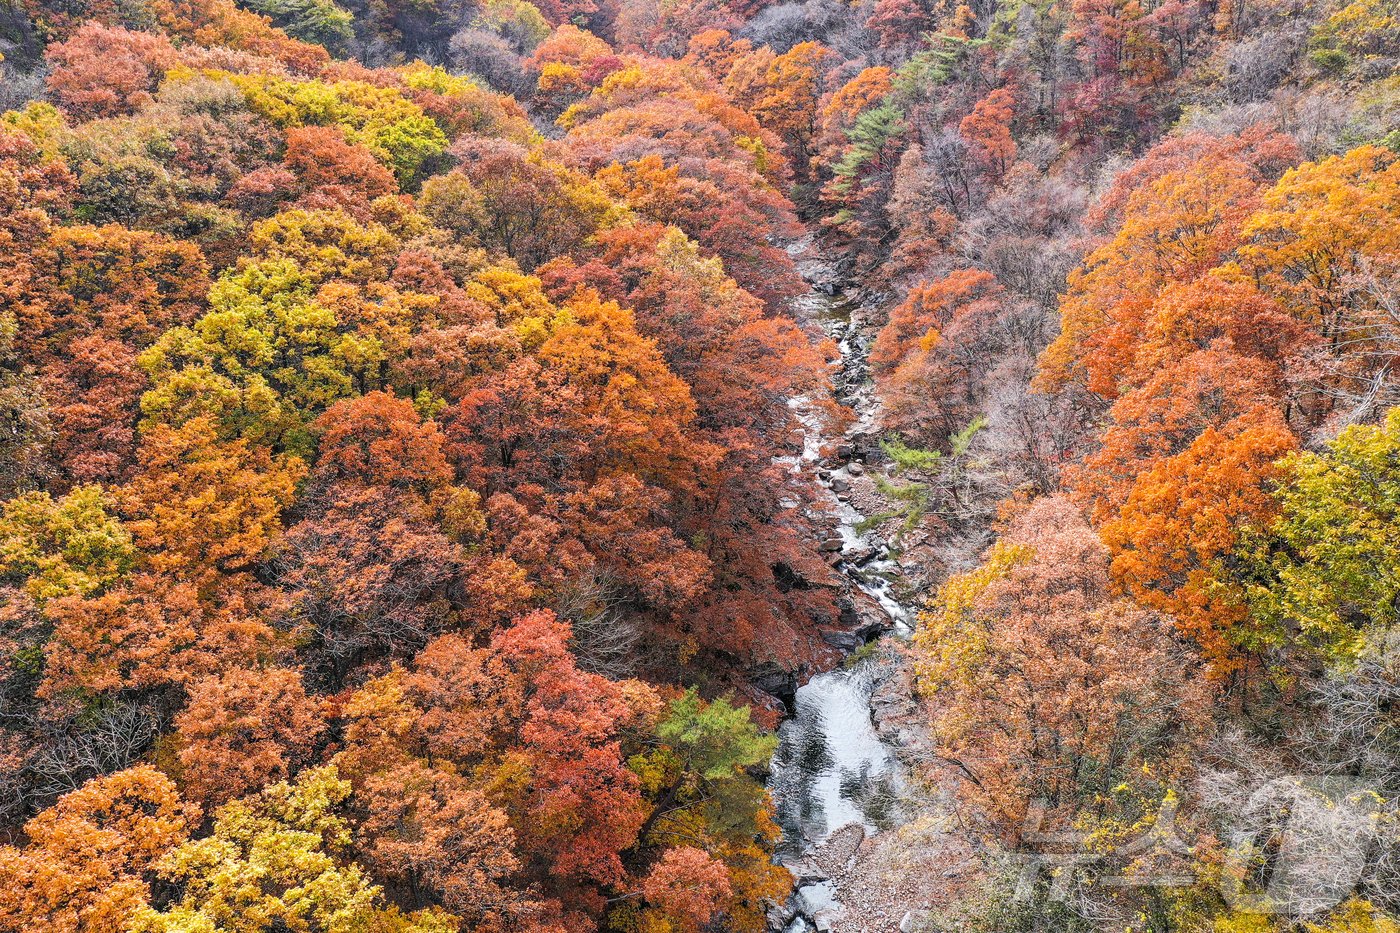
(813, 899)
(864, 615)
(914, 921)
(846, 641)
(806, 872)
(774, 681)
(861, 555)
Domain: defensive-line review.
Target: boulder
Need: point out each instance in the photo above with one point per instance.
(818, 901)
(914, 921)
(862, 614)
(780, 915)
(805, 872)
(842, 639)
(776, 682)
(861, 555)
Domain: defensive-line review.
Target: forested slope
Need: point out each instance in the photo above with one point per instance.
(390, 402)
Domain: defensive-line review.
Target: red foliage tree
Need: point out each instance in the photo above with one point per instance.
(335, 173)
(898, 22)
(243, 730)
(105, 71)
(540, 740)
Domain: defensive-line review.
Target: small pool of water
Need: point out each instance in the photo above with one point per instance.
(831, 769)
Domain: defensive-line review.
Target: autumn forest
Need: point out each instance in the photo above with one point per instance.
(439, 440)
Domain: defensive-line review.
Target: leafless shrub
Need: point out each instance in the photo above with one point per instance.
(952, 172)
(107, 740)
(17, 89)
(605, 640)
(1308, 823)
(1315, 119)
(1032, 268)
(1358, 731)
(1030, 435)
(1358, 369)
(1255, 66)
(491, 58)
(786, 24)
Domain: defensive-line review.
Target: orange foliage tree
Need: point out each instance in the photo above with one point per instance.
(84, 868)
(793, 86)
(987, 130)
(204, 506)
(1183, 517)
(1045, 689)
(1175, 229)
(243, 730)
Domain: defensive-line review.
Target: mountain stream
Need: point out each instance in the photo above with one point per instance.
(832, 768)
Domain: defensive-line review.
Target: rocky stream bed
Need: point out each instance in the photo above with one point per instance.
(841, 776)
